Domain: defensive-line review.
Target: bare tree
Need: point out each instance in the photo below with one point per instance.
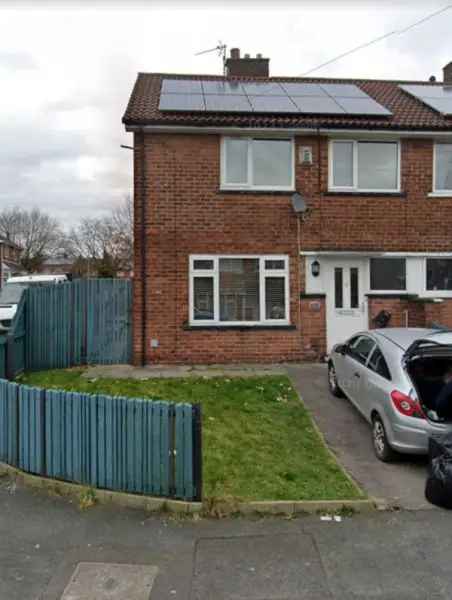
(36, 232)
(104, 244)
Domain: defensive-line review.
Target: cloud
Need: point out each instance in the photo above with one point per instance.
(17, 60)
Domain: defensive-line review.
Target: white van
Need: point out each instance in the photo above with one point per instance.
(12, 292)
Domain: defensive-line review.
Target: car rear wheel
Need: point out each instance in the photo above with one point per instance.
(332, 382)
(382, 448)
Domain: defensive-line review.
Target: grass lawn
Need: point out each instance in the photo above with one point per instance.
(258, 439)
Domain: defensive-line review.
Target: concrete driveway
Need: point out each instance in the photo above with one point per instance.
(349, 437)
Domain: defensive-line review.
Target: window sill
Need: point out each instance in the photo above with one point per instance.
(268, 192)
(188, 327)
(312, 296)
(395, 294)
(439, 195)
(366, 194)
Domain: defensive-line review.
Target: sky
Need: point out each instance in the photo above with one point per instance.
(67, 70)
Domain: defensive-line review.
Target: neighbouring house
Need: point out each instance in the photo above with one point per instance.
(60, 264)
(275, 216)
(9, 260)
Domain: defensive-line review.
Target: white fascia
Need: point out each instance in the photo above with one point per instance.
(364, 253)
(355, 133)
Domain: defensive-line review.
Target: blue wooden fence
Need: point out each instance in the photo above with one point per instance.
(3, 341)
(116, 443)
(87, 321)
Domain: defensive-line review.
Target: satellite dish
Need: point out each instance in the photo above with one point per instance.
(299, 203)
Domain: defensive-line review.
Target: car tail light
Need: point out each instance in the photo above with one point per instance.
(406, 405)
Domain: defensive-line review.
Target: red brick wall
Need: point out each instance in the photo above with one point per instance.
(413, 312)
(313, 327)
(397, 307)
(186, 214)
(413, 222)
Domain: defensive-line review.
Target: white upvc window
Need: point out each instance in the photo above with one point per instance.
(239, 290)
(364, 166)
(257, 164)
(442, 169)
(387, 274)
(438, 275)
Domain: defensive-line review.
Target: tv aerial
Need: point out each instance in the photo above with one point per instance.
(220, 49)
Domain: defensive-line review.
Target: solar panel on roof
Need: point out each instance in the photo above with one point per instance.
(223, 95)
(182, 102)
(321, 105)
(263, 89)
(362, 106)
(181, 86)
(436, 96)
(272, 104)
(228, 103)
(222, 87)
(303, 89)
(343, 90)
(428, 91)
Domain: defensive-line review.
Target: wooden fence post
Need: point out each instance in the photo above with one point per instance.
(10, 366)
(197, 451)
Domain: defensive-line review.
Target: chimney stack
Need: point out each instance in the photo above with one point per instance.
(246, 66)
(447, 74)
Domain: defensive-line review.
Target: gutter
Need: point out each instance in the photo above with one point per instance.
(388, 133)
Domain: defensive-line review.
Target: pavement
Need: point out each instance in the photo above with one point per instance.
(402, 555)
(348, 435)
(174, 371)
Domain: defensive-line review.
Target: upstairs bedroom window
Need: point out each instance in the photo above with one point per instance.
(364, 166)
(239, 290)
(257, 164)
(442, 178)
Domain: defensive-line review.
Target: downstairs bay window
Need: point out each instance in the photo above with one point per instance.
(239, 290)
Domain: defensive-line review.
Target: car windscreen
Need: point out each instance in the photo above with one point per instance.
(12, 293)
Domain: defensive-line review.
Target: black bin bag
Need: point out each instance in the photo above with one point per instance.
(438, 489)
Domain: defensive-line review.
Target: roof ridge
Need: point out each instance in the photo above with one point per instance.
(297, 78)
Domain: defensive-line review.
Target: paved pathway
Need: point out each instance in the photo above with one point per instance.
(389, 556)
(348, 435)
(173, 371)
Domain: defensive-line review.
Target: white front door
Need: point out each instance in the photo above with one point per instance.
(346, 306)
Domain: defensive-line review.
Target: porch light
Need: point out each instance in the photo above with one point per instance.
(315, 268)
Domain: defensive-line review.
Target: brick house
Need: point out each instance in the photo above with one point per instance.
(9, 260)
(276, 216)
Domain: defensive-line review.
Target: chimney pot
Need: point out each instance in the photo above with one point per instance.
(259, 55)
(447, 74)
(247, 56)
(235, 53)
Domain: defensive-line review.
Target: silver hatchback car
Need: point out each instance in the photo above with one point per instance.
(393, 377)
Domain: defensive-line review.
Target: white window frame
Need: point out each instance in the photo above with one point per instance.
(436, 192)
(434, 293)
(249, 185)
(354, 187)
(215, 274)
